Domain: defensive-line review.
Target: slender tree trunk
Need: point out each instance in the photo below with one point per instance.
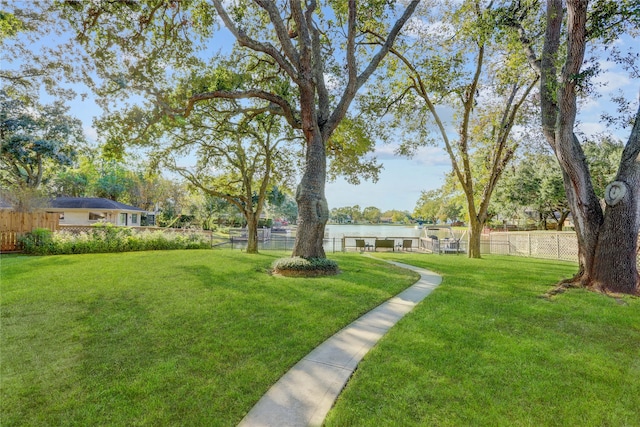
(563, 218)
(475, 231)
(313, 210)
(252, 232)
(38, 179)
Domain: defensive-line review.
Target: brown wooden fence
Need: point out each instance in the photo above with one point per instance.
(15, 224)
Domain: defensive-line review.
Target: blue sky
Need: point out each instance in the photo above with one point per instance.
(402, 180)
(399, 185)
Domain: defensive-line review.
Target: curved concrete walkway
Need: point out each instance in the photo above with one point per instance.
(305, 394)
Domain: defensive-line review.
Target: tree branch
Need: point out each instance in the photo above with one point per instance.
(576, 20)
(246, 41)
(281, 30)
(468, 101)
(285, 109)
(193, 179)
(548, 79)
(348, 96)
(323, 93)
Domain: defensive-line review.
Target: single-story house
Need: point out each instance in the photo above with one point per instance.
(90, 210)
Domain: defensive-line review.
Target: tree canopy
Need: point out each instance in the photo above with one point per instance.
(34, 140)
(460, 80)
(302, 61)
(38, 52)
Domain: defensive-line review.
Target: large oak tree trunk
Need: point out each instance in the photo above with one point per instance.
(586, 212)
(614, 267)
(607, 242)
(615, 264)
(313, 210)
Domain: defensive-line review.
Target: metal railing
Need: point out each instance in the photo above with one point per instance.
(357, 243)
(373, 243)
(282, 243)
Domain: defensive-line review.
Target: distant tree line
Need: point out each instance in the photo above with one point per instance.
(368, 215)
(530, 193)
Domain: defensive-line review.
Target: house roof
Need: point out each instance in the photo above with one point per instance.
(89, 203)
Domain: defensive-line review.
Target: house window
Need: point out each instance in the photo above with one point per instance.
(148, 219)
(134, 218)
(123, 219)
(96, 216)
(61, 216)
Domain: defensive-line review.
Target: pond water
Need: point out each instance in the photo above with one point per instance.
(334, 234)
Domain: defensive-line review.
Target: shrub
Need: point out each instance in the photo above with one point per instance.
(265, 223)
(39, 241)
(108, 238)
(298, 266)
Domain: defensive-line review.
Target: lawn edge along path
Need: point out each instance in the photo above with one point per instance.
(306, 393)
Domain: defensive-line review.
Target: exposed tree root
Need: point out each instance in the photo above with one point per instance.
(561, 288)
(576, 282)
(580, 282)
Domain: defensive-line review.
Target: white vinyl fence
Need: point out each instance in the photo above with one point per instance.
(561, 245)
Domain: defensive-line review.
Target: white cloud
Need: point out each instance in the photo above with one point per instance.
(418, 28)
(611, 78)
(386, 150)
(332, 82)
(432, 156)
(609, 82)
(90, 133)
(591, 128)
(590, 103)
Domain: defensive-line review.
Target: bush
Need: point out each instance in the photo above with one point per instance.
(265, 223)
(108, 238)
(39, 241)
(298, 266)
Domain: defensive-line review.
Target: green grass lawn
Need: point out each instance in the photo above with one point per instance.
(196, 337)
(485, 350)
(165, 338)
